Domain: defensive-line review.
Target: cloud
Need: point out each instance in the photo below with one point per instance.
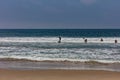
(88, 2)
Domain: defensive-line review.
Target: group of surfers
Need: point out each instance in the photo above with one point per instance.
(85, 40)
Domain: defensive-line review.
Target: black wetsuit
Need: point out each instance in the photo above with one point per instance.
(59, 40)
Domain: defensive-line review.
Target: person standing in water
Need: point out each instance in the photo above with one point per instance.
(85, 40)
(59, 40)
(101, 40)
(116, 41)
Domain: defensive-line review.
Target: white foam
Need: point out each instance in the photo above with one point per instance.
(58, 59)
(60, 52)
(55, 39)
(80, 55)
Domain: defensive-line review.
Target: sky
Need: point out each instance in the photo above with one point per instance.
(59, 14)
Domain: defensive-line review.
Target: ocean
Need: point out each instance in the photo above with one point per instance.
(41, 48)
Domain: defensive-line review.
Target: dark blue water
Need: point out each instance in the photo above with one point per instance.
(60, 32)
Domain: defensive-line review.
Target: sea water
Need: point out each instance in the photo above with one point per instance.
(42, 45)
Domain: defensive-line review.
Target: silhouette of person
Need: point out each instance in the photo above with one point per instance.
(101, 40)
(59, 40)
(85, 40)
(116, 41)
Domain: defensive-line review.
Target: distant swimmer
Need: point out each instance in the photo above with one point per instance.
(59, 40)
(85, 40)
(101, 40)
(116, 41)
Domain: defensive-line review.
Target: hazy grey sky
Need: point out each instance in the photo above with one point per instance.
(59, 13)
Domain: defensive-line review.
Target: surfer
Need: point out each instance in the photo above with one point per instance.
(59, 40)
(101, 40)
(116, 41)
(85, 40)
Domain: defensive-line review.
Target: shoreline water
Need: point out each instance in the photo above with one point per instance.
(57, 65)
